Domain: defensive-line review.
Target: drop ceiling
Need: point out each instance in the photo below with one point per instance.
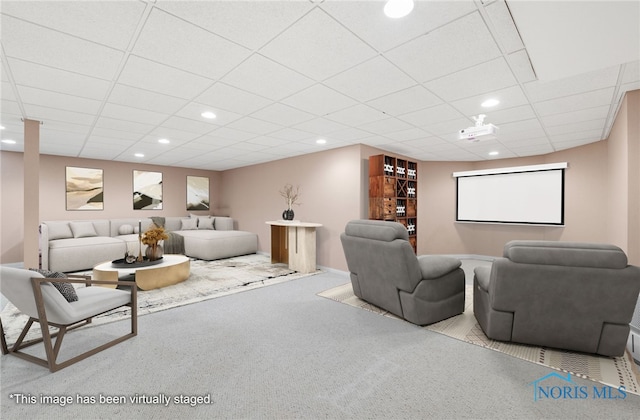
(108, 79)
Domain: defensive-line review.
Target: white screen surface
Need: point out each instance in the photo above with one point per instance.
(535, 197)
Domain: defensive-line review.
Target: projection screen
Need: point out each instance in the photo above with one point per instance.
(532, 195)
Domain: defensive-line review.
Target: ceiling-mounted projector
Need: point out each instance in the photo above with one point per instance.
(489, 131)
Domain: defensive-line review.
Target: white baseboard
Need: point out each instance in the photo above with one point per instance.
(633, 345)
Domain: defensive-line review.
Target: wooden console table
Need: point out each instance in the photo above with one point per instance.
(294, 243)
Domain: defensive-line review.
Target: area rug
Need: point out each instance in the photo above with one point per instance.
(615, 372)
(208, 280)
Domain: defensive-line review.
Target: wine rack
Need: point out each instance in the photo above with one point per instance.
(393, 192)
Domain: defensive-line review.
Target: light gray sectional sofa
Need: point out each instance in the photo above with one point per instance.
(74, 245)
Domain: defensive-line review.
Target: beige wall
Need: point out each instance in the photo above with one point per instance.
(11, 207)
(329, 184)
(623, 184)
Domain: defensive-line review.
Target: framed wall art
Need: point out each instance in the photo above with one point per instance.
(84, 188)
(147, 190)
(197, 193)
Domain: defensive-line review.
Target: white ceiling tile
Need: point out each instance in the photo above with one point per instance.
(10, 108)
(193, 111)
(108, 133)
(7, 91)
(173, 134)
(121, 125)
(47, 78)
(44, 114)
(282, 114)
(591, 125)
(405, 101)
(350, 134)
(509, 98)
(189, 125)
(409, 134)
(319, 100)
(517, 113)
(541, 91)
(34, 43)
(145, 99)
(320, 126)
(244, 22)
(631, 72)
(292, 134)
(92, 21)
(357, 115)
(599, 112)
(267, 141)
(449, 128)
(232, 134)
(481, 79)
(577, 136)
(127, 113)
(145, 74)
(41, 97)
(372, 79)
(366, 20)
(575, 102)
(385, 126)
(521, 66)
(317, 46)
(99, 141)
(254, 125)
(223, 96)
(267, 78)
(169, 40)
(433, 115)
(505, 29)
(448, 49)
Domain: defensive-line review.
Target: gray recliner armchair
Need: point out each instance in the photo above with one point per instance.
(567, 295)
(386, 272)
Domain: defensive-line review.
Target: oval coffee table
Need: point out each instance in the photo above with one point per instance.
(173, 269)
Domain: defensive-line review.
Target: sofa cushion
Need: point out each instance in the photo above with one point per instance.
(206, 223)
(65, 288)
(59, 230)
(125, 230)
(83, 229)
(435, 266)
(189, 224)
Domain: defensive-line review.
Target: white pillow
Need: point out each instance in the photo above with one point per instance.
(189, 224)
(59, 230)
(125, 230)
(206, 223)
(83, 229)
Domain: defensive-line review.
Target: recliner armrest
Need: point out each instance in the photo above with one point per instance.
(435, 266)
(483, 276)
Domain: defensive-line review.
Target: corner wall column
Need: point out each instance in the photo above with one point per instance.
(31, 193)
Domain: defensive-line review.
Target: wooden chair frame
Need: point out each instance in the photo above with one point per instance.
(52, 348)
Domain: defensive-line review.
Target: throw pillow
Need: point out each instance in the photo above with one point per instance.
(125, 230)
(83, 229)
(59, 230)
(205, 223)
(66, 289)
(158, 221)
(189, 224)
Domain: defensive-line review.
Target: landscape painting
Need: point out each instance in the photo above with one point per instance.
(197, 193)
(147, 190)
(84, 189)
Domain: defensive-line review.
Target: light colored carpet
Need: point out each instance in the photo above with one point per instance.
(208, 280)
(615, 372)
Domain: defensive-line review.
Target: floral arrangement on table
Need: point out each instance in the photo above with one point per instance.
(290, 194)
(151, 238)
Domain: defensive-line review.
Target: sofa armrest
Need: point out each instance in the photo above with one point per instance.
(435, 266)
(44, 246)
(483, 276)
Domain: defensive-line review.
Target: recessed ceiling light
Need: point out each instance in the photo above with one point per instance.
(489, 103)
(321, 141)
(9, 141)
(208, 114)
(398, 8)
(139, 155)
(164, 141)
(1, 127)
(494, 153)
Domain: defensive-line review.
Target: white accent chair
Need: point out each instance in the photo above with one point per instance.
(35, 296)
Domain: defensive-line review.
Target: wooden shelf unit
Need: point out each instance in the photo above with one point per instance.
(393, 192)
